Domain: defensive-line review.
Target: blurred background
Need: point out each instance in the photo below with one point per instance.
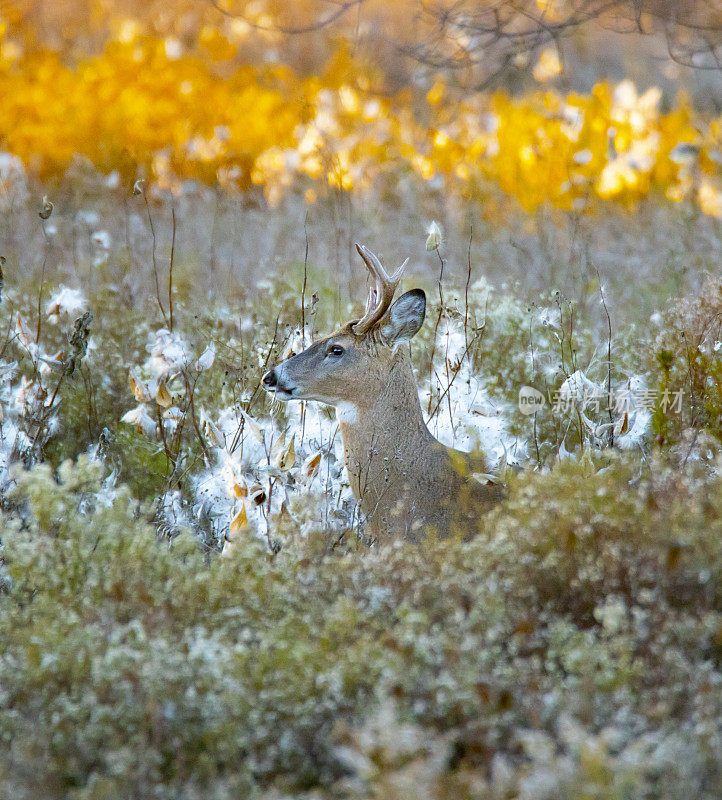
(516, 122)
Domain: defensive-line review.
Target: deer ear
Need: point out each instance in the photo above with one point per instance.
(405, 317)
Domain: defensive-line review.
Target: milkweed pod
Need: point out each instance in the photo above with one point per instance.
(138, 387)
(206, 358)
(257, 494)
(23, 331)
(142, 420)
(239, 522)
(434, 236)
(311, 465)
(239, 488)
(163, 397)
(285, 455)
(253, 426)
(211, 430)
(47, 209)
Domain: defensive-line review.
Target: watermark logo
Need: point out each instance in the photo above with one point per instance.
(530, 400)
(588, 398)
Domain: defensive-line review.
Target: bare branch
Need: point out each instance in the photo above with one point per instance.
(492, 36)
(343, 8)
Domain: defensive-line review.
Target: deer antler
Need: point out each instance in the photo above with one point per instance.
(381, 294)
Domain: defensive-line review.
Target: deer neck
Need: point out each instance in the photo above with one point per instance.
(386, 440)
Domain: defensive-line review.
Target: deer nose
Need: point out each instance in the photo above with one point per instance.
(269, 380)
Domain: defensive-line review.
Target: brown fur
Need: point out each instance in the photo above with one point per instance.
(408, 483)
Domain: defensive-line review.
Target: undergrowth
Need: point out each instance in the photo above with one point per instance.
(572, 650)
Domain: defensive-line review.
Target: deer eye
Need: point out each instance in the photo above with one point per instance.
(335, 350)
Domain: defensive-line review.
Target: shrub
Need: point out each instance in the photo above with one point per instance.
(688, 354)
(576, 642)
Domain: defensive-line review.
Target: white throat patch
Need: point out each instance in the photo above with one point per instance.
(347, 413)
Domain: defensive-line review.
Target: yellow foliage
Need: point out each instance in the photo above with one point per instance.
(154, 106)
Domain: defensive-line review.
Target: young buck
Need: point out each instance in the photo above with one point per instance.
(407, 482)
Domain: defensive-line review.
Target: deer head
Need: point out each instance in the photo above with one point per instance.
(349, 368)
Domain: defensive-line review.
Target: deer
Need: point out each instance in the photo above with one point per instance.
(408, 484)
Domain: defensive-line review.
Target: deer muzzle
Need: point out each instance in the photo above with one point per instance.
(275, 383)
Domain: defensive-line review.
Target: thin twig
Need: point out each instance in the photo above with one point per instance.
(292, 30)
(49, 410)
(303, 316)
(8, 332)
(249, 404)
(191, 392)
(305, 280)
(432, 414)
(170, 272)
(155, 265)
(40, 300)
(691, 446)
(164, 440)
(533, 377)
(609, 359)
(466, 290)
(438, 318)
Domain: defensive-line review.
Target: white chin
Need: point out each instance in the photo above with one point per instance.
(346, 413)
(280, 394)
